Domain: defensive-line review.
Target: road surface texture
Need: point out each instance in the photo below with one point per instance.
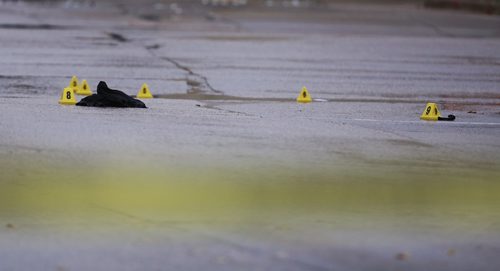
(224, 170)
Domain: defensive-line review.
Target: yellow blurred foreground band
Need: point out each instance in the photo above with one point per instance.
(232, 194)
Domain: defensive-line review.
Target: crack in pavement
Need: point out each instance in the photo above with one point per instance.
(198, 85)
(197, 82)
(215, 107)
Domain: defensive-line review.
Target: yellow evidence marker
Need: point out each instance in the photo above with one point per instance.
(144, 92)
(67, 97)
(73, 84)
(431, 112)
(84, 89)
(304, 96)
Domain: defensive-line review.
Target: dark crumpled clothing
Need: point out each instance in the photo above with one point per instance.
(107, 97)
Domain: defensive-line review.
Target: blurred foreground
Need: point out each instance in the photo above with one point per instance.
(224, 170)
(147, 218)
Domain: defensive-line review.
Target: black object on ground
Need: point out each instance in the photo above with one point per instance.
(107, 97)
(449, 118)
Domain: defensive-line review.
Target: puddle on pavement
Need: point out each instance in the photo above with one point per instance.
(117, 37)
(34, 27)
(464, 106)
(241, 38)
(199, 96)
(410, 143)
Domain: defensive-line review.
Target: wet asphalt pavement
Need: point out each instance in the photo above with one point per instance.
(225, 81)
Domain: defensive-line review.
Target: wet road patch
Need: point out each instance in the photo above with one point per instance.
(34, 27)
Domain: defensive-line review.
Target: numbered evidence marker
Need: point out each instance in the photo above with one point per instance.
(73, 84)
(304, 96)
(84, 89)
(144, 92)
(67, 97)
(431, 112)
